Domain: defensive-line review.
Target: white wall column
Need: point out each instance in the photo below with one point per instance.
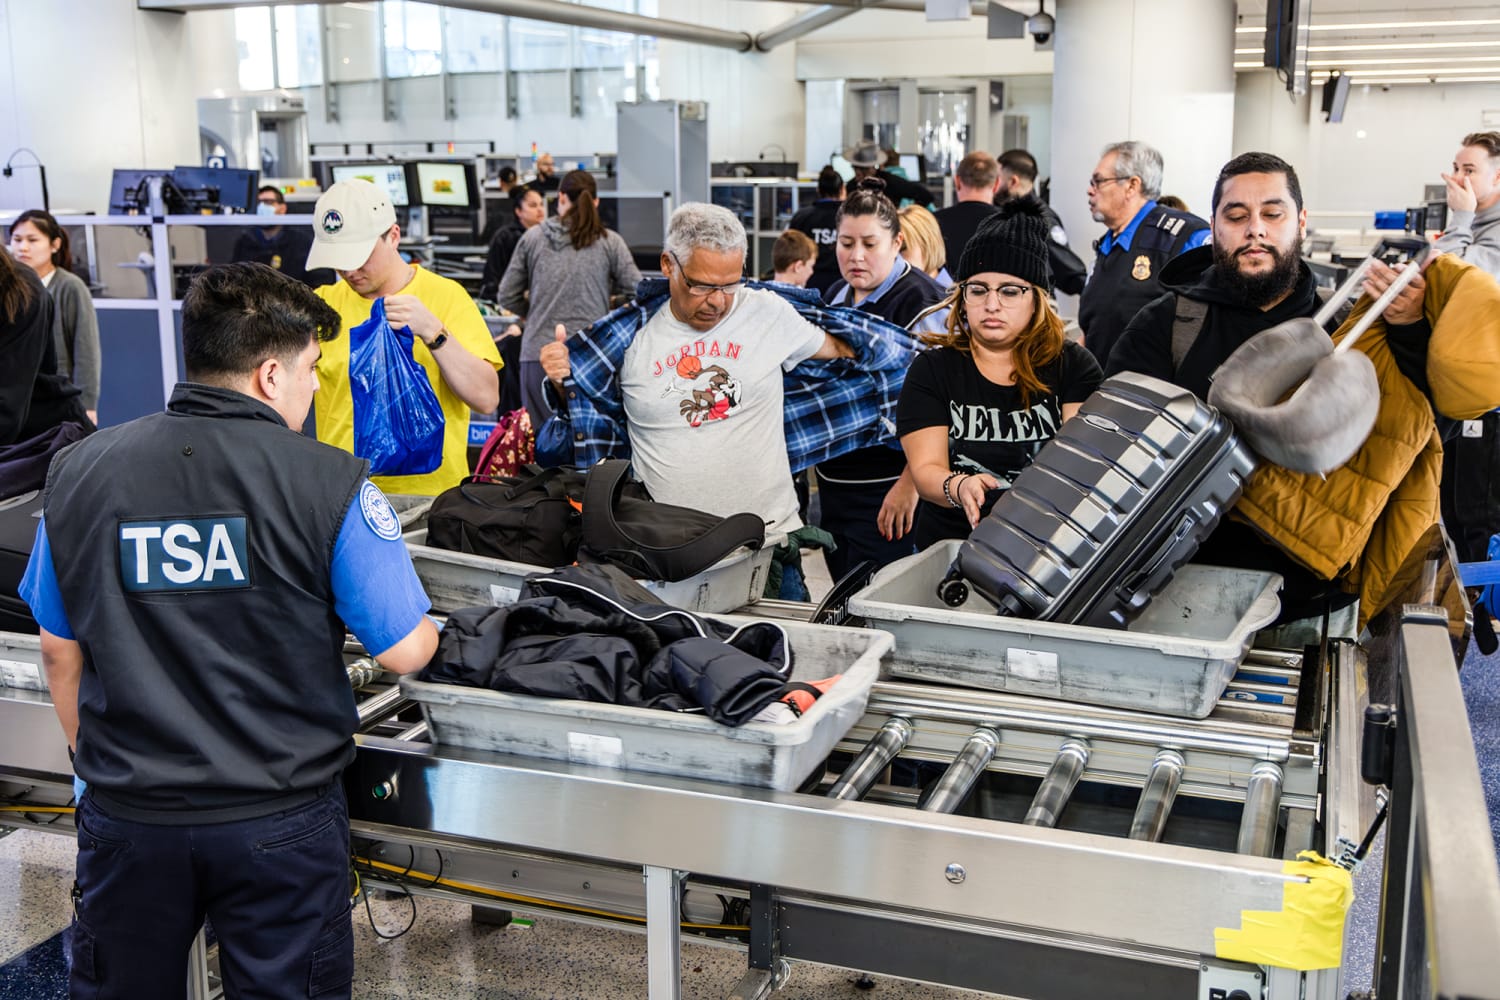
(1160, 71)
(94, 85)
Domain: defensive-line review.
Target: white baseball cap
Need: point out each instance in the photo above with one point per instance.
(348, 221)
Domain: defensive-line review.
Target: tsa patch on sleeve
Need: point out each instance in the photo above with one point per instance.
(378, 513)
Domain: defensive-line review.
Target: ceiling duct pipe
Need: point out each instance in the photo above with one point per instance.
(807, 22)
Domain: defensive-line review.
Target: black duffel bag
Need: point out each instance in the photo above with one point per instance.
(655, 541)
(529, 518)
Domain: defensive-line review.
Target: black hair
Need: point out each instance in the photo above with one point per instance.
(272, 189)
(507, 175)
(867, 197)
(15, 290)
(1256, 163)
(237, 316)
(62, 257)
(830, 183)
(582, 222)
(1020, 163)
(518, 199)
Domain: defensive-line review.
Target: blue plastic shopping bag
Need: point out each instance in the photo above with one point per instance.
(398, 422)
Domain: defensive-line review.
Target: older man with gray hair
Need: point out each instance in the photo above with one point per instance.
(699, 384)
(1142, 237)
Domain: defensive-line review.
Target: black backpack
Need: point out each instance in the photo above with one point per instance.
(528, 518)
(555, 517)
(656, 541)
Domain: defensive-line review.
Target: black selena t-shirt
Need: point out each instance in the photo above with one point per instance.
(988, 428)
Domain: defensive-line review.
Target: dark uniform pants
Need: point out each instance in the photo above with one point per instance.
(276, 889)
(849, 512)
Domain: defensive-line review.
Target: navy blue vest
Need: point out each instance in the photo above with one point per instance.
(193, 549)
(1125, 280)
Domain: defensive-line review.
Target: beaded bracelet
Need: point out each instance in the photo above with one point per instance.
(948, 494)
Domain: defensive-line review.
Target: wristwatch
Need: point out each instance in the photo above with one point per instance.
(438, 341)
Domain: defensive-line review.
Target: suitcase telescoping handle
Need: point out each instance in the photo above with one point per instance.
(1417, 248)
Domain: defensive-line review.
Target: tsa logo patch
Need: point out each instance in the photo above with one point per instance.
(206, 553)
(333, 222)
(378, 513)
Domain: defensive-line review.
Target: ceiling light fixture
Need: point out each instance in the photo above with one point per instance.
(1380, 26)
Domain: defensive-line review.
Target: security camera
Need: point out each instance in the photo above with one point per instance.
(1040, 26)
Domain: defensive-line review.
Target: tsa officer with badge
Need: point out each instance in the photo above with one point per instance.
(1142, 237)
(194, 574)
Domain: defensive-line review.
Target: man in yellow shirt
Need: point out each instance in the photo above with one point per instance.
(355, 233)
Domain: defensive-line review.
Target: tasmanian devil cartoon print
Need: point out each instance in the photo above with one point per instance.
(713, 392)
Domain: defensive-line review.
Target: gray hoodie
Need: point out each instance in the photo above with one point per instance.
(1475, 238)
(567, 286)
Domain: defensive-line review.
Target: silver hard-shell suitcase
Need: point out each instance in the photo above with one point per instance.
(1108, 509)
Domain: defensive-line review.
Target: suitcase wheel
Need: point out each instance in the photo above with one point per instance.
(953, 591)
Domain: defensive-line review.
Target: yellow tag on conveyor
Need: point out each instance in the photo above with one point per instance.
(1307, 932)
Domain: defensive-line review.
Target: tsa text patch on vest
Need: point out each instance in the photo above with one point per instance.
(206, 553)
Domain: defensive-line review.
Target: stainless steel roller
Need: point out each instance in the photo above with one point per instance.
(1262, 807)
(954, 786)
(382, 706)
(1155, 806)
(1052, 797)
(363, 671)
(880, 751)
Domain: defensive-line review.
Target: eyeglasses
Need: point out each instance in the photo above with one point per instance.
(702, 290)
(1096, 181)
(977, 292)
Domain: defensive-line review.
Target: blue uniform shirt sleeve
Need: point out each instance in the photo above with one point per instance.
(1197, 239)
(39, 588)
(375, 587)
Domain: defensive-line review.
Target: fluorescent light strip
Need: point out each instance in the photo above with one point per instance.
(1391, 47)
(1421, 71)
(1438, 82)
(1381, 26)
(1342, 63)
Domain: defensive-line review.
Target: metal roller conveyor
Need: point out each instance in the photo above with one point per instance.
(414, 734)
(1052, 797)
(1262, 807)
(879, 752)
(955, 784)
(381, 707)
(363, 671)
(1157, 797)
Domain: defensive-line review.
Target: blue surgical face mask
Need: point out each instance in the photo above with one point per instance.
(265, 208)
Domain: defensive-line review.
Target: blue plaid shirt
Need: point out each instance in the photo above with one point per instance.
(832, 406)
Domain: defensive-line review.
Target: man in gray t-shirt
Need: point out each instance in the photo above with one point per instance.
(702, 382)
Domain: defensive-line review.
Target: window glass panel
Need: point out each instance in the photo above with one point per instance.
(542, 93)
(599, 90)
(600, 49)
(538, 45)
(252, 35)
(353, 42)
(299, 46)
(475, 42)
(413, 39)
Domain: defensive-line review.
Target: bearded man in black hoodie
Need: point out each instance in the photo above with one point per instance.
(1251, 276)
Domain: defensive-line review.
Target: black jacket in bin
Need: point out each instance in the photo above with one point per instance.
(591, 633)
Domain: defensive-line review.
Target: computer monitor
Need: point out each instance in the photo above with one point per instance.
(447, 184)
(390, 177)
(231, 187)
(125, 194)
(914, 166)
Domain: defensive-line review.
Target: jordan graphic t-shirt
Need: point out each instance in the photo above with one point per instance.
(705, 413)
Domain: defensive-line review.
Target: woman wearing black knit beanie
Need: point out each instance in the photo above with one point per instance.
(1002, 380)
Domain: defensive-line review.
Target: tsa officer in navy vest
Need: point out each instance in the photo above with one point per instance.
(193, 576)
(1142, 237)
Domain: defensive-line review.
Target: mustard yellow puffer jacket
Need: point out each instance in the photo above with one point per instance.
(1358, 524)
